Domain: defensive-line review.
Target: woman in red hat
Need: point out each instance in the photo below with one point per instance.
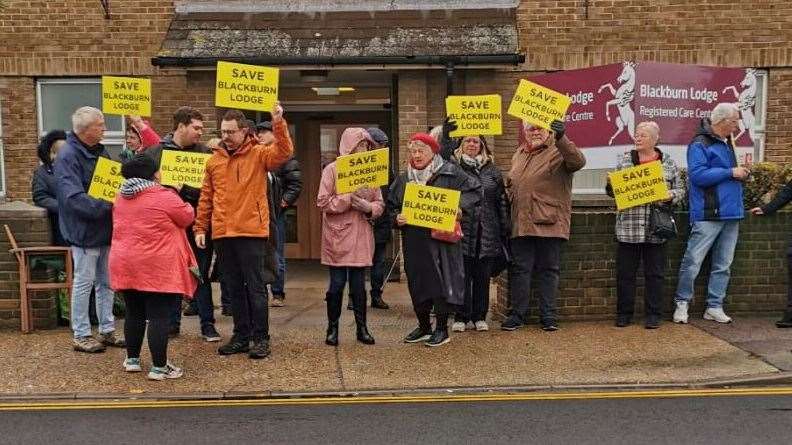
(435, 267)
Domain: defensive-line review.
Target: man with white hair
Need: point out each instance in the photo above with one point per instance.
(715, 193)
(86, 225)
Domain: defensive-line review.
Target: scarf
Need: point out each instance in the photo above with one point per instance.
(133, 186)
(423, 176)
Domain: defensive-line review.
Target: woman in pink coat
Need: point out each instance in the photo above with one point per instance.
(151, 262)
(348, 238)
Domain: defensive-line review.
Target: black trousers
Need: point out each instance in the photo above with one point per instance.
(335, 291)
(539, 256)
(242, 263)
(156, 308)
(477, 283)
(628, 257)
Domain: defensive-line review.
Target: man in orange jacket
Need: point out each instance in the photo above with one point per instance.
(233, 203)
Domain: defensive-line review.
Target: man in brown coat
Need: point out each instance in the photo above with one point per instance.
(540, 188)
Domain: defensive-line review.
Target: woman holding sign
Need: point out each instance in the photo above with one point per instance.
(348, 238)
(636, 237)
(434, 263)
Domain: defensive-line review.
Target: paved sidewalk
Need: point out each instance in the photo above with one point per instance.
(580, 353)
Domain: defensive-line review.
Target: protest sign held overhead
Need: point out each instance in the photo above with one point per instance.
(639, 185)
(538, 105)
(247, 87)
(181, 167)
(475, 115)
(358, 170)
(106, 180)
(126, 95)
(431, 207)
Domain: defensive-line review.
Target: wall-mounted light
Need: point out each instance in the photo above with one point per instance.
(332, 91)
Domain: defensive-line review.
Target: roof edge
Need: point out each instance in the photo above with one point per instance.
(486, 59)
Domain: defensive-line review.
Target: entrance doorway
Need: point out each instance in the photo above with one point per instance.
(316, 136)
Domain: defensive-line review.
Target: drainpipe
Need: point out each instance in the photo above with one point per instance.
(450, 78)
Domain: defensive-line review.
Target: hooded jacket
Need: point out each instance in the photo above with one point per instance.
(347, 235)
(234, 193)
(84, 221)
(714, 194)
(539, 185)
(45, 185)
(150, 251)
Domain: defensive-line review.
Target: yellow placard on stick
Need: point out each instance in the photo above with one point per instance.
(358, 170)
(248, 87)
(538, 105)
(183, 167)
(432, 207)
(106, 180)
(639, 185)
(475, 115)
(126, 95)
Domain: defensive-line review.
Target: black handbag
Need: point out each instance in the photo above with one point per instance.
(661, 222)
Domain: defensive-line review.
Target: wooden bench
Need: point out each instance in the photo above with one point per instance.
(24, 256)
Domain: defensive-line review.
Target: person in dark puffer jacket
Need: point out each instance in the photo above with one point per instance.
(44, 182)
(286, 186)
(486, 234)
(780, 200)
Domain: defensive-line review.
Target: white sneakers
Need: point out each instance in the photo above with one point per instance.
(458, 326)
(712, 314)
(681, 312)
(482, 326)
(717, 314)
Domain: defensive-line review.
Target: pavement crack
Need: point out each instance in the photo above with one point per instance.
(340, 369)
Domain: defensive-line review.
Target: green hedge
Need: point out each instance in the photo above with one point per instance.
(765, 181)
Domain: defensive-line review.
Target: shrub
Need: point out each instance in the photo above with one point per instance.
(765, 181)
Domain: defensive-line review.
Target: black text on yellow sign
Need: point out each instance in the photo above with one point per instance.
(126, 95)
(179, 167)
(106, 180)
(475, 115)
(639, 185)
(358, 170)
(538, 105)
(431, 207)
(248, 87)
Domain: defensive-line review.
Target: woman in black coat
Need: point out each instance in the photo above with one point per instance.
(486, 233)
(45, 184)
(435, 269)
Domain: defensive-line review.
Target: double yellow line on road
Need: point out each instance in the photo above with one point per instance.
(431, 398)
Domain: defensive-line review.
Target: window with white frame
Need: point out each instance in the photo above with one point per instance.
(58, 98)
(592, 181)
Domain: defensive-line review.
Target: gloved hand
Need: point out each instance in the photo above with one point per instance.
(449, 126)
(559, 128)
(361, 204)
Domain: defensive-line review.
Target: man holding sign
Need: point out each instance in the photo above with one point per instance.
(182, 160)
(540, 188)
(435, 268)
(86, 225)
(234, 204)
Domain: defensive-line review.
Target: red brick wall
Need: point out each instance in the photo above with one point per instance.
(18, 106)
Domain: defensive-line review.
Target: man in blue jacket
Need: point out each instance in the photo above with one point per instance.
(86, 225)
(716, 208)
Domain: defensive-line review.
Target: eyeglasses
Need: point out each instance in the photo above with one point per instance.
(229, 132)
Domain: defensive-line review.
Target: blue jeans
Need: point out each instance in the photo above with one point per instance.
(277, 286)
(90, 270)
(721, 237)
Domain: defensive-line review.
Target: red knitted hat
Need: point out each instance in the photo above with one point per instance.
(428, 140)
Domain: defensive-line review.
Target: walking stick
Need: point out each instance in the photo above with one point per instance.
(387, 277)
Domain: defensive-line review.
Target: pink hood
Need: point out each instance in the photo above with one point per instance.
(350, 138)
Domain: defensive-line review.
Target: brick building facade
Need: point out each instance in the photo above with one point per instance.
(395, 53)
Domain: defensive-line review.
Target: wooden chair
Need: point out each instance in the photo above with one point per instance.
(26, 284)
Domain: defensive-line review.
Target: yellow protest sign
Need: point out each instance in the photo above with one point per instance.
(126, 95)
(475, 115)
(183, 167)
(106, 180)
(358, 170)
(639, 185)
(538, 105)
(432, 207)
(248, 87)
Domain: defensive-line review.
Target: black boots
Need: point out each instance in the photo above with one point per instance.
(333, 314)
(363, 334)
(786, 320)
(332, 333)
(334, 303)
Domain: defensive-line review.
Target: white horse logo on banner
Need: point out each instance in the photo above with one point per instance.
(746, 99)
(622, 98)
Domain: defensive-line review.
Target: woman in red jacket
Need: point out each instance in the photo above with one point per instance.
(151, 262)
